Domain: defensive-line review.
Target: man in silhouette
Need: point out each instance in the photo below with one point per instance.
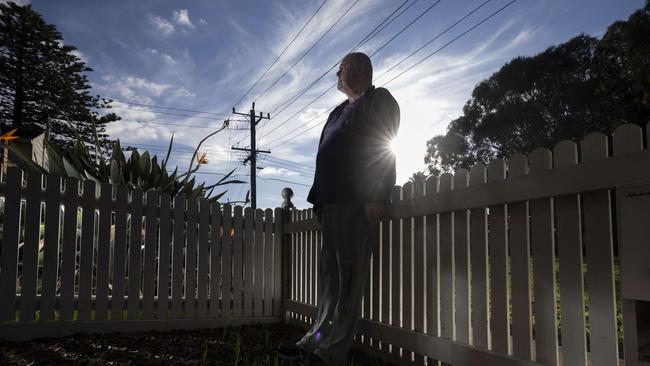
(355, 173)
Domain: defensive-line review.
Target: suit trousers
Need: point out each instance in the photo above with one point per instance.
(347, 240)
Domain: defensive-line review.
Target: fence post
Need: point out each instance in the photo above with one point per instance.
(287, 193)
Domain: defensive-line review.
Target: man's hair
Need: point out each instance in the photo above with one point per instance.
(361, 59)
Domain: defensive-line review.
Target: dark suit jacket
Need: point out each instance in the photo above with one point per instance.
(357, 164)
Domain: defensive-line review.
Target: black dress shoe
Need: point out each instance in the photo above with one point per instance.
(312, 360)
(290, 352)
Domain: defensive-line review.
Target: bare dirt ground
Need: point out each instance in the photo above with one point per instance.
(245, 345)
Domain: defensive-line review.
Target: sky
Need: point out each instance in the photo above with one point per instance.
(179, 67)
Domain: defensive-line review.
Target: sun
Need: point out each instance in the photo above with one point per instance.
(397, 145)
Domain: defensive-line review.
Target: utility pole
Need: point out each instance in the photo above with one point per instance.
(254, 120)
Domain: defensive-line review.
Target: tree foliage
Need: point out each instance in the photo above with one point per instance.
(571, 89)
(42, 79)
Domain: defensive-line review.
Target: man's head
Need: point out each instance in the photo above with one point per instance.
(355, 74)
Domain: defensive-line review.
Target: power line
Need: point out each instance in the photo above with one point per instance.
(275, 162)
(364, 40)
(165, 107)
(419, 62)
(282, 53)
(374, 53)
(450, 42)
(162, 112)
(432, 40)
(310, 48)
(405, 28)
(286, 181)
(167, 124)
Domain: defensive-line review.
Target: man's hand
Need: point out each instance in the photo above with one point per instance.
(375, 211)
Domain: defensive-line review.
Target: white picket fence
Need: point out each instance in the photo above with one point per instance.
(109, 260)
(465, 272)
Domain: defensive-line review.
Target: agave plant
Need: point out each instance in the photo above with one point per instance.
(141, 171)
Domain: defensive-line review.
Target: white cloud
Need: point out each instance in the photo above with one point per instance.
(166, 58)
(273, 171)
(18, 2)
(202, 21)
(182, 18)
(80, 55)
(132, 82)
(163, 25)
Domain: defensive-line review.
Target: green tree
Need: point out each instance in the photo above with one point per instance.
(42, 81)
(564, 92)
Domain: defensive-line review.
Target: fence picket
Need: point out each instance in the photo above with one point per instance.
(215, 260)
(248, 260)
(461, 261)
(9, 244)
(446, 264)
(50, 246)
(203, 258)
(295, 238)
(375, 269)
(258, 255)
(149, 260)
(268, 262)
(237, 262)
(103, 250)
(278, 263)
(313, 274)
(86, 256)
(407, 268)
(627, 139)
(164, 257)
(314, 261)
(119, 254)
(396, 268)
(30, 247)
(479, 266)
(599, 250)
(418, 269)
(177, 256)
(226, 263)
(543, 248)
(522, 331)
(135, 248)
(569, 245)
(432, 268)
(498, 249)
(190, 259)
(385, 273)
(366, 300)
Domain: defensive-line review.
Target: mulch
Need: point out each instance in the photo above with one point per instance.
(245, 345)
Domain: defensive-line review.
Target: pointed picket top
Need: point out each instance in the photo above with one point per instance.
(418, 189)
(446, 182)
(477, 174)
(496, 170)
(517, 165)
(540, 160)
(565, 153)
(431, 185)
(461, 178)
(594, 146)
(407, 191)
(647, 136)
(396, 194)
(628, 138)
